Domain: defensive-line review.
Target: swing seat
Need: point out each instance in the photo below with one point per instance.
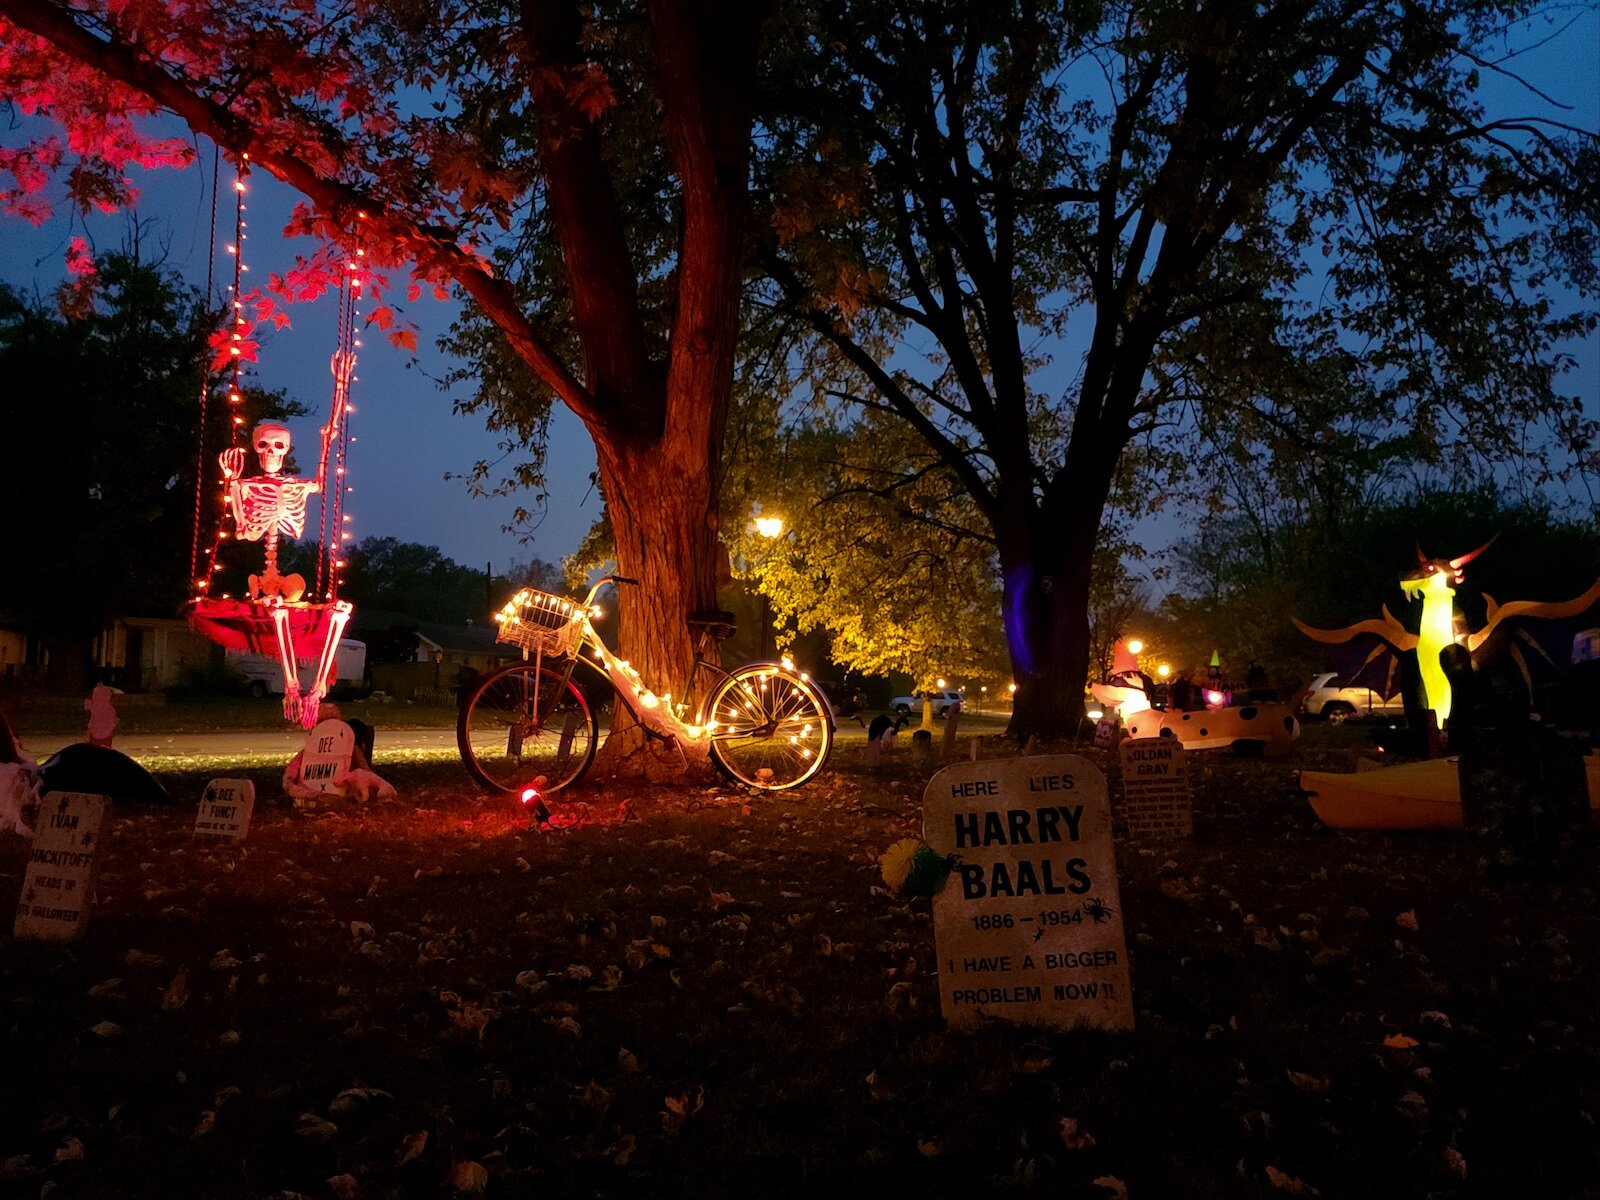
(247, 625)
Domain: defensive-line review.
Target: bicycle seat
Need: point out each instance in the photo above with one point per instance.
(717, 623)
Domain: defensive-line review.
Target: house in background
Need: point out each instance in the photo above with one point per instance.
(425, 660)
(147, 654)
(135, 654)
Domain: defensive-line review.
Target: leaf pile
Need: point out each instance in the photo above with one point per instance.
(698, 991)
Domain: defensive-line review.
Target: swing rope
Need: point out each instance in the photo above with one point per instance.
(205, 377)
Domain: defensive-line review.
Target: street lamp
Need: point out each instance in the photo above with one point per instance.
(1135, 646)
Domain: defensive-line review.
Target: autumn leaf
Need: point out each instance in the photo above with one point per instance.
(1118, 1189)
(177, 993)
(411, 1147)
(1287, 1183)
(1408, 920)
(404, 339)
(680, 1108)
(1311, 1085)
(1399, 1041)
(1072, 1137)
(314, 1128)
(468, 1177)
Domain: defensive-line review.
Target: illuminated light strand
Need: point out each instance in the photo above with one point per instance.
(202, 584)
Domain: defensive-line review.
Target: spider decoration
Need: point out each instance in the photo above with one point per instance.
(1098, 909)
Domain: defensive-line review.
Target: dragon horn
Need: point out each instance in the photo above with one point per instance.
(1421, 557)
(1458, 563)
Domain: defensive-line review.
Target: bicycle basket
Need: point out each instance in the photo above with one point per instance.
(540, 621)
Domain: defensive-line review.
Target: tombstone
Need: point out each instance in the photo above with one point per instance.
(225, 809)
(922, 741)
(1105, 733)
(1029, 925)
(1156, 799)
(58, 886)
(874, 752)
(326, 757)
(952, 721)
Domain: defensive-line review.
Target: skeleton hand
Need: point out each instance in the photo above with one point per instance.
(343, 365)
(232, 462)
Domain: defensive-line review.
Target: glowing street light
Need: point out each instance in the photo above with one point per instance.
(1163, 670)
(769, 527)
(1135, 646)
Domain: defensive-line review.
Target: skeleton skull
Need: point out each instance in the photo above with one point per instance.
(272, 446)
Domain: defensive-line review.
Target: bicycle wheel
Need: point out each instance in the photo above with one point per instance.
(773, 729)
(520, 723)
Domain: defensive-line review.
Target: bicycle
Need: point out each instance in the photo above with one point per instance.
(768, 725)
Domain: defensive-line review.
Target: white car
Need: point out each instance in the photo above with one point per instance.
(1337, 704)
(943, 702)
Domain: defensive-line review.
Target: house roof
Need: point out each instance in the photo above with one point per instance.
(477, 638)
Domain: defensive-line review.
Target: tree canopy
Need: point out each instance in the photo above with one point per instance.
(426, 136)
(1211, 215)
(103, 419)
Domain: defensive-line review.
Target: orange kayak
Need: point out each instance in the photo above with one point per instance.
(1421, 795)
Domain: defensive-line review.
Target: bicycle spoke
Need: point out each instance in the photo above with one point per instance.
(524, 723)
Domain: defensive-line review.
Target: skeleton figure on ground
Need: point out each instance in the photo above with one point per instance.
(271, 504)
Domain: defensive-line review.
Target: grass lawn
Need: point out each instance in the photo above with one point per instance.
(692, 991)
(206, 713)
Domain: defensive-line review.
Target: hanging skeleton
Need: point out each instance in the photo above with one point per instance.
(272, 505)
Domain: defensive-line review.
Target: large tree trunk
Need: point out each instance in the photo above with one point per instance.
(1046, 561)
(662, 500)
(1046, 598)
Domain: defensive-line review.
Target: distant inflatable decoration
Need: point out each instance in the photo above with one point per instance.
(1435, 580)
(1270, 727)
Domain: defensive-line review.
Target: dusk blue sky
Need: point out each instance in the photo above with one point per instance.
(408, 438)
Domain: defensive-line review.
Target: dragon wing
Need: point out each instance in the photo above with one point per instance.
(1542, 609)
(1387, 630)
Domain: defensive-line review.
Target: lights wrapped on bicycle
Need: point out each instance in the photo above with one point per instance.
(541, 621)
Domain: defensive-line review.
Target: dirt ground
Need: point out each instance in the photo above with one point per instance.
(701, 992)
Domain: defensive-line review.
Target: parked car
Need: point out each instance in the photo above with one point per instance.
(943, 702)
(1337, 704)
(263, 676)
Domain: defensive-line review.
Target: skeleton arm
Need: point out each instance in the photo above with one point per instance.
(343, 365)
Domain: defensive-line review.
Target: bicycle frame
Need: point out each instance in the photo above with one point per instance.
(654, 713)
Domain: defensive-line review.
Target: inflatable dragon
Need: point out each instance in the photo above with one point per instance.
(1435, 581)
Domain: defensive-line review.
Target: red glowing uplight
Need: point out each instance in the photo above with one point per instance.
(533, 801)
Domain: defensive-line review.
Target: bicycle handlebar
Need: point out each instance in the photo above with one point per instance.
(601, 582)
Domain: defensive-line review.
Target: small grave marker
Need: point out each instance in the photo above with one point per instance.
(952, 721)
(58, 886)
(1156, 800)
(1105, 733)
(225, 809)
(326, 758)
(1029, 925)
